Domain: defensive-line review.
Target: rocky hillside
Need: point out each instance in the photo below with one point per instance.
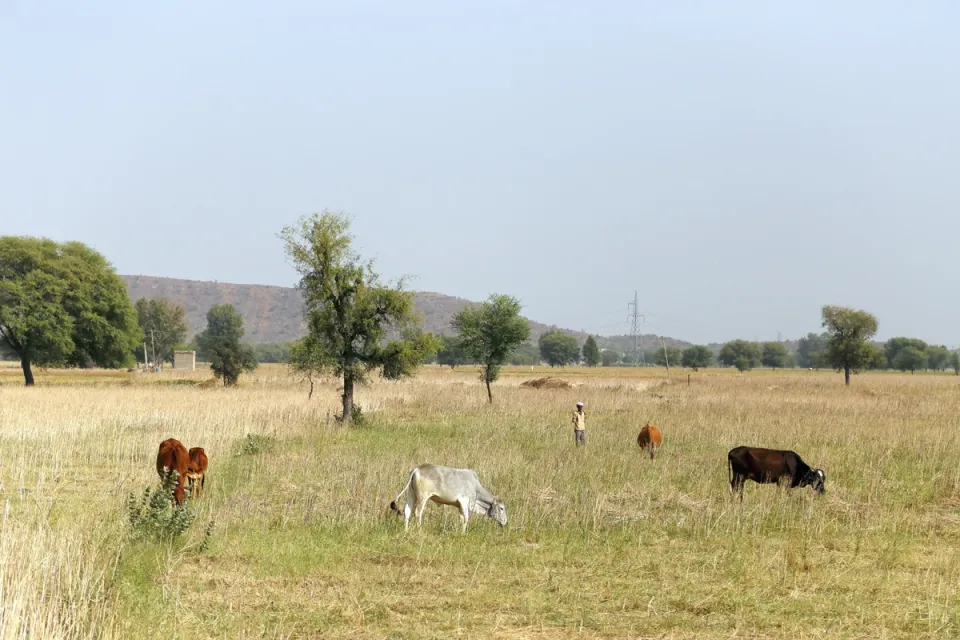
(274, 314)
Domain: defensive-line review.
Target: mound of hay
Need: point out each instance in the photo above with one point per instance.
(547, 383)
(209, 383)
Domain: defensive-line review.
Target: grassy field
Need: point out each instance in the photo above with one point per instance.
(601, 542)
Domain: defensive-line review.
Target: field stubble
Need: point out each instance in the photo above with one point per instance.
(601, 542)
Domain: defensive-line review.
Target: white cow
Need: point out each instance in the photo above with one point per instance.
(454, 487)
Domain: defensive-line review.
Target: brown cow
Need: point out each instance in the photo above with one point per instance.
(197, 470)
(171, 457)
(650, 438)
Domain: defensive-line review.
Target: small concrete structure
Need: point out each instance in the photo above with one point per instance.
(185, 360)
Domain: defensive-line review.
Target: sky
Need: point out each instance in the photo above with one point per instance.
(738, 164)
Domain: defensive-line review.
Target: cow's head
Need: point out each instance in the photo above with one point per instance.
(815, 478)
(498, 511)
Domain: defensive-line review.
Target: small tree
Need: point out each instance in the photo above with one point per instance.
(938, 357)
(811, 350)
(696, 357)
(221, 342)
(849, 332)
(558, 349)
(740, 354)
(955, 362)
(451, 353)
(910, 359)
(349, 311)
(489, 332)
(775, 355)
(163, 324)
(526, 355)
(672, 355)
(878, 358)
(591, 352)
(608, 357)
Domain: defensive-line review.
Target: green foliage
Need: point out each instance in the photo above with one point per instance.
(558, 349)
(591, 352)
(220, 342)
(955, 362)
(349, 311)
(910, 358)
(451, 354)
(894, 346)
(63, 304)
(489, 332)
(812, 351)
(878, 358)
(527, 354)
(255, 444)
(672, 356)
(849, 332)
(155, 515)
(775, 355)
(273, 352)
(938, 357)
(164, 326)
(740, 354)
(609, 357)
(696, 357)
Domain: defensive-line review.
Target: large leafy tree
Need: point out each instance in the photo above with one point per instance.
(955, 362)
(849, 332)
(349, 311)
(451, 353)
(164, 325)
(489, 332)
(558, 349)
(938, 357)
(221, 343)
(63, 304)
(910, 359)
(664, 357)
(894, 346)
(775, 355)
(609, 357)
(696, 357)
(591, 352)
(740, 354)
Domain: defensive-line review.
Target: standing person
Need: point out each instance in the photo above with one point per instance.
(579, 435)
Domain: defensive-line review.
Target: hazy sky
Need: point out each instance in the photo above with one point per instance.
(740, 164)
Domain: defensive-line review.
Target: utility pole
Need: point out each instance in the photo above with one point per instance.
(666, 356)
(153, 347)
(635, 329)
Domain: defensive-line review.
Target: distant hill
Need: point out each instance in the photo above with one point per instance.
(275, 314)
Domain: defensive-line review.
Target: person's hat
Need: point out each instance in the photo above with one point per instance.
(579, 404)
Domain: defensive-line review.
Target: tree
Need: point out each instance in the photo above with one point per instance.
(696, 357)
(63, 304)
(775, 356)
(910, 359)
(955, 362)
(938, 357)
(451, 353)
(878, 358)
(527, 354)
(220, 341)
(894, 346)
(273, 352)
(163, 324)
(591, 352)
(849, 332)
(672, 355)
(740, 354)
(489, 333)
(349, 311)
(811, 351)
(558, 349)
(609, 357)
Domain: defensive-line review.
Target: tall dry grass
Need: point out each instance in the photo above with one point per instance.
(601, 542)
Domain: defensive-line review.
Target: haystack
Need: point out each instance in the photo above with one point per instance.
(547, 383)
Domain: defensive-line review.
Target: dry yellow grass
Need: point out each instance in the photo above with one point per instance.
(601, 543)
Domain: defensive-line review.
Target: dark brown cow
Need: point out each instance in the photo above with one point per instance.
(765, 466)
(650, 438)
(197, 470)
(171, 457)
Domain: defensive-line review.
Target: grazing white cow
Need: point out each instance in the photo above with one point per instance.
(454, 487)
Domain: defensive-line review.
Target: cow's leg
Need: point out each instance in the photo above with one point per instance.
(464, 514)
(406, 516)
(420, 509)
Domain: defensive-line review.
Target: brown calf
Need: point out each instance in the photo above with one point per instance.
(650, 438)
(171, 457)
(197, 470)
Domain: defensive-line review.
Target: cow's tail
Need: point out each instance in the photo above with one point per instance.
(729, 470)
(393, 505)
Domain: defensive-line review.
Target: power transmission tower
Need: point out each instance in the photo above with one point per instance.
(635, 329)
